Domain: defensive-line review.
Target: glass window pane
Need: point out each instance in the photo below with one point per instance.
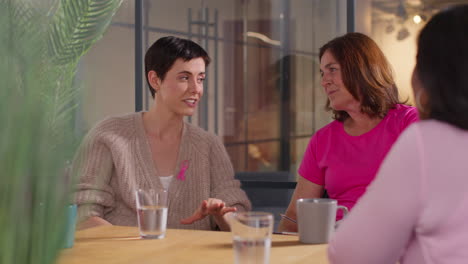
(238, 154)
(263, 87)
(263, 156)
(108, 71)
(298, 147)
(262, 93)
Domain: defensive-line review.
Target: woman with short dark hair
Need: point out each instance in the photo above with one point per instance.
(343, 157)
(158, 150)
(416, 209)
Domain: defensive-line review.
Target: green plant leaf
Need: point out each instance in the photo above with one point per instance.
(38, 98)
(77, 25)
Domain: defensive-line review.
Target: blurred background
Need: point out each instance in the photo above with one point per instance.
(262, 95)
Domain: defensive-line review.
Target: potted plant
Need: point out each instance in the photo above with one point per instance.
(41, 44)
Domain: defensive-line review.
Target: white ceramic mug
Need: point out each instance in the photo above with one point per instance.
(316, 219)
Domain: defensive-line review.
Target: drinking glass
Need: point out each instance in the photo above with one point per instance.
(71, 211)
(151, 207)
(251, 233)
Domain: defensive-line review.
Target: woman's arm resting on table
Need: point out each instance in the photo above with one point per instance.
(304, 189)
(93, 166)
(92, 221)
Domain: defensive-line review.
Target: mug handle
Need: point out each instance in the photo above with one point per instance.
(344, 209)
(345, 212)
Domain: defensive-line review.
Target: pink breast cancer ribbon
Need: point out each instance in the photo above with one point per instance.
(183, 168)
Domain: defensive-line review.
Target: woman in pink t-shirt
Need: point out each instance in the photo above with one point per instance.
(343, 157)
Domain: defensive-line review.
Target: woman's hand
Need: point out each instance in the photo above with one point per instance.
(304, 189)
(214, 207)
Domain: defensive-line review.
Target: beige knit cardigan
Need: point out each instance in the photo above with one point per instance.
(115, 159)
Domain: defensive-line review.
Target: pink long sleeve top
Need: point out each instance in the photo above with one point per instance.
(416, 210)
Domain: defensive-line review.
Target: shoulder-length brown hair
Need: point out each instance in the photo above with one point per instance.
(366, 74)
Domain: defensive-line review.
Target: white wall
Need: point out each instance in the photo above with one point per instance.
(400, 53)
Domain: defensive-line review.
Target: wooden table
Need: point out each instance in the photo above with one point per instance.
(116, 244)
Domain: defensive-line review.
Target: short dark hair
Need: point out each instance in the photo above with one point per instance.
(442, 66)
(165, 51)
(366, 74)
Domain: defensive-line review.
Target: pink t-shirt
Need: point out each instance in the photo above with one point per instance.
(416, 209)
(345, 165)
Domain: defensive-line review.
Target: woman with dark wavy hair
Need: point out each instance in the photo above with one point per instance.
(344, 156)
(416, 210)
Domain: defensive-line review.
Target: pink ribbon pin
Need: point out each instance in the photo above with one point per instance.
(183, 168)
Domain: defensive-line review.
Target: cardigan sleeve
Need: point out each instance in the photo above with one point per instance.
(93, 167)
(223, 184)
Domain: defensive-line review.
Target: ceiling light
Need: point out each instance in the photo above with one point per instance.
(417, 19)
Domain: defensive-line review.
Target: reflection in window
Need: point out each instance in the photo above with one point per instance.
(262, 94)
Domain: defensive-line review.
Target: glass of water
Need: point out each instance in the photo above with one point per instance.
(151, 207)
(251, 234)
